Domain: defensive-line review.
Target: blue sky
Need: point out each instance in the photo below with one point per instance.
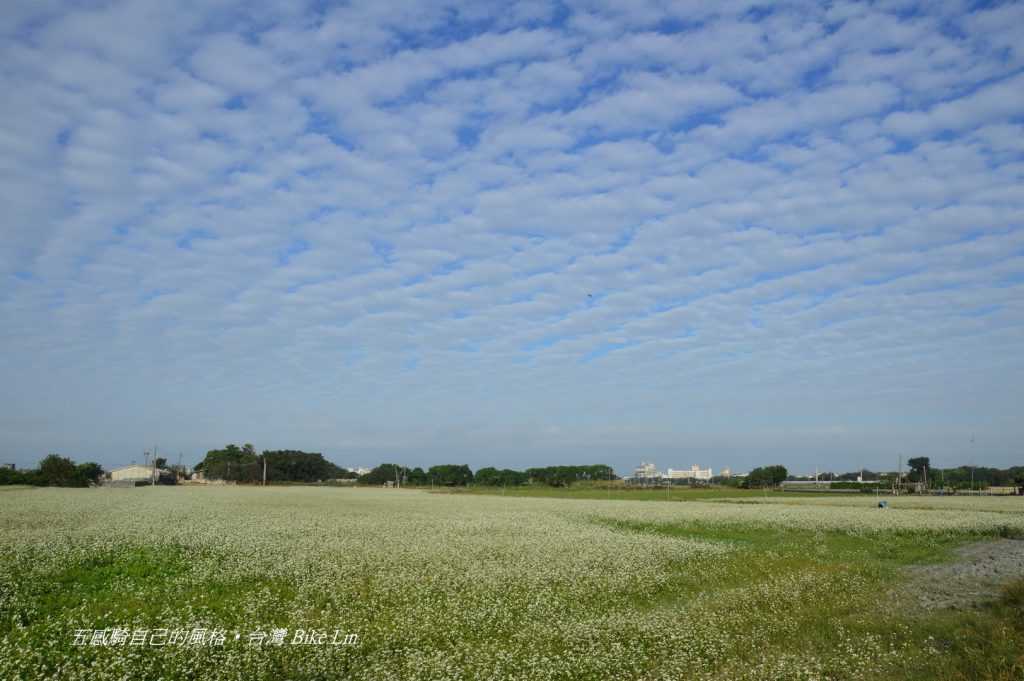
(514, 234)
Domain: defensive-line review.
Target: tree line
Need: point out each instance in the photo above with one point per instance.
(445, 475)
(453, 475)
(242, 464)
(963, 477)
(54, 471)
(919, 469)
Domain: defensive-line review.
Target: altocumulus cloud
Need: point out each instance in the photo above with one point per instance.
(512, 234)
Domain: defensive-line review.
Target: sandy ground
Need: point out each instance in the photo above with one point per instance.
(972, 578)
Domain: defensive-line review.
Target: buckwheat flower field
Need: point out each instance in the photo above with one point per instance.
(330, 583)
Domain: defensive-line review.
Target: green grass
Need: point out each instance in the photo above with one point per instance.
(618, 491)
(986, 643)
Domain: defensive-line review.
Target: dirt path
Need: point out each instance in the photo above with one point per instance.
(971, 578)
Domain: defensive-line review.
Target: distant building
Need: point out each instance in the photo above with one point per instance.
(135, 472)
(1002, 491)
(725, 473)
(646, 471)
(695, 472)
(8, 465)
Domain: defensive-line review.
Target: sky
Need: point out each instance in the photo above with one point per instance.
(514, 234)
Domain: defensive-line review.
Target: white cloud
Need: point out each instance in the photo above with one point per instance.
(996, 102)
(442, 225)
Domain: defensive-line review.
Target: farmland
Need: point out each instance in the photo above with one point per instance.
(466, 586)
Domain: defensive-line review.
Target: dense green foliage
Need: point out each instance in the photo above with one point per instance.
(234, 463)
(54, 471)
(460, 475)
(563, 476)
(446, 475)
(295, 466)
(961, 477)
(416, 476)
(919, 469)
(768, 476)
(450, 474)
(383, 474)
(243, 464)
(505, 477)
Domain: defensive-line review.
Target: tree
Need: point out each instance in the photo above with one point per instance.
(56, 470)
(492, 477)
(768, 476)
(563, 476)
(160, 462)
(451, 474)
(918, 468)
(12, 477)
(290, 465)
(383, 474)
(89, 472)
(232, 463)
(417, 476)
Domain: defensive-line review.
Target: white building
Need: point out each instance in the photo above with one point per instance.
(135, 472)
(695, 472)
(646, 471)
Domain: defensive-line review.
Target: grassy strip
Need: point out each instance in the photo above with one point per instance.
(987, 643)
(598, 490)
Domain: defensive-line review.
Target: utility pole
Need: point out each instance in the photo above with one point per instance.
(972, 463)
(899, 476)
(264, 457)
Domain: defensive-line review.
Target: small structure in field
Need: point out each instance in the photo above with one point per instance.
(133, 474)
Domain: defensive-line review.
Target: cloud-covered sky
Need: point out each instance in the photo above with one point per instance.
(726, 233)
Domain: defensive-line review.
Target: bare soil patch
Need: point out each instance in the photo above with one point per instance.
(972, 578)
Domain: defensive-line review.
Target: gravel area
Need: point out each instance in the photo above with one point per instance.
(972, 578)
